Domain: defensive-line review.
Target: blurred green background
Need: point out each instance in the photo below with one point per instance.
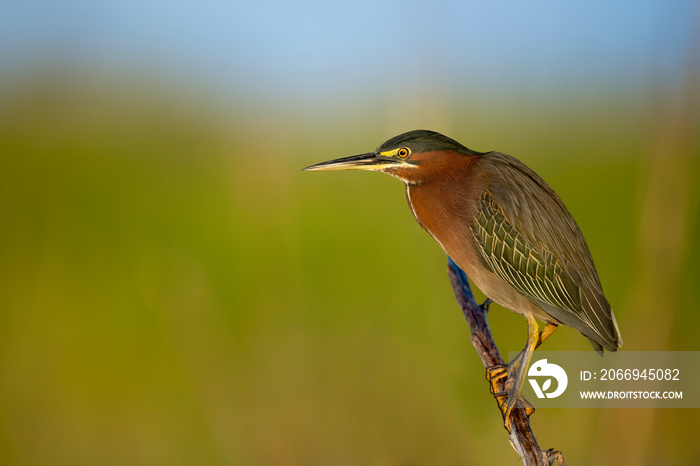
(175, 290)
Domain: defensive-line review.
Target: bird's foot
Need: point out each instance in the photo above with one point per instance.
(507, 396)
(513, 402)
(495, 375)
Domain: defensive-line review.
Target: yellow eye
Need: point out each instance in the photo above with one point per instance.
(403, 152)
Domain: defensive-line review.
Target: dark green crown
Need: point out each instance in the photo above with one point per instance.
(421, 140)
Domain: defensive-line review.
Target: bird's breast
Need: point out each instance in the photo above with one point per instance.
(446, 220)
(447, 210)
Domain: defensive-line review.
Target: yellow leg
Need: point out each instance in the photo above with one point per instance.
(546, 332)
(520, 365)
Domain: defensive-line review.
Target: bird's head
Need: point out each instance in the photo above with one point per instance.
(412, 157)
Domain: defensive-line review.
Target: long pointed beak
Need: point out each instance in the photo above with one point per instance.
(368, 161)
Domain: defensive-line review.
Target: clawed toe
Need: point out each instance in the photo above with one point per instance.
(507, 397)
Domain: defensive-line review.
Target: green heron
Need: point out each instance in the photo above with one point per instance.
(507, 230)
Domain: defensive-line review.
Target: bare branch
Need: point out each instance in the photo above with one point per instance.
(522, 439)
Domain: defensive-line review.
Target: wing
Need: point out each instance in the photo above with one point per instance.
(526, 236)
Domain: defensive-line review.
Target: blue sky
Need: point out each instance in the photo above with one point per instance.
(270, 47)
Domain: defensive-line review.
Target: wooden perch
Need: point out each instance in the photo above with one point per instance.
(522, 438)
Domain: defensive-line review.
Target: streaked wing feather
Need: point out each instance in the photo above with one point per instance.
(525, 235)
